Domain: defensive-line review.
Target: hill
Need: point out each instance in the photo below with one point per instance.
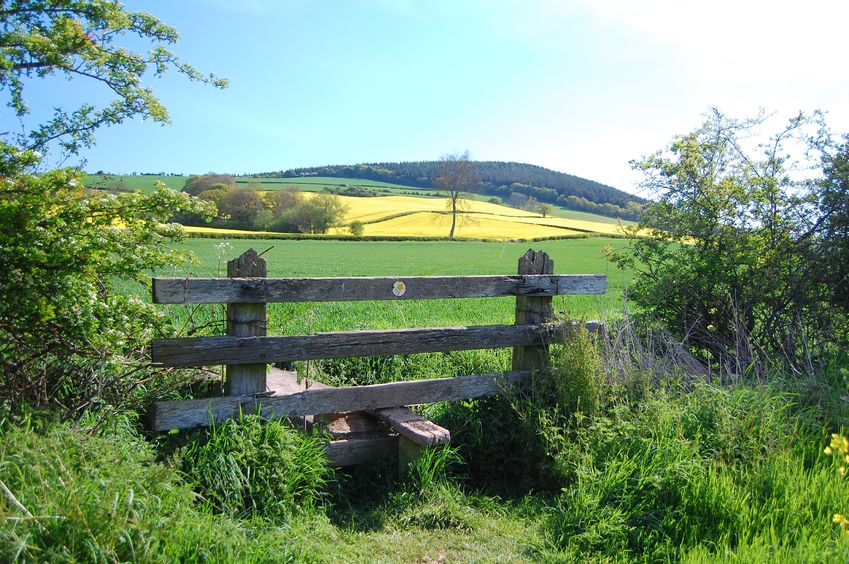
(501, 179)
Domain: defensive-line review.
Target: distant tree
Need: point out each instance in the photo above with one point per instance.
(242, 206)
(543, 209)
(357, 228)
(458, 174)
(517, 200)
(285, 200)
(195, 185)
(318, 213)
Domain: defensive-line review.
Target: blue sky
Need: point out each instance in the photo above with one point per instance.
(580, 87)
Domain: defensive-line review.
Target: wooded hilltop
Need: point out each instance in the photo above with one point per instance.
(497, 179)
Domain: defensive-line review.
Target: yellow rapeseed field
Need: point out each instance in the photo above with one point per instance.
(371, 209)
(475, 226)
(410, 216)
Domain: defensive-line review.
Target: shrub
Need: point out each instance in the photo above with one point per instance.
(510, 441)
(740, 257)
(357, 228)
(68, 337)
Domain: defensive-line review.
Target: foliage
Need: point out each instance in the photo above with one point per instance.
(510, 441)
(319, 213)
(833, 245)
(80, 39)
(67, 337)
(357, 228)
(250, 467)
(728, 255)
(696, 473)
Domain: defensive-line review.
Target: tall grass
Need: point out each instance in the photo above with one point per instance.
(90, 497)
(248, 467)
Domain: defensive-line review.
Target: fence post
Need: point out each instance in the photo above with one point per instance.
(246, 320)
(533, 310)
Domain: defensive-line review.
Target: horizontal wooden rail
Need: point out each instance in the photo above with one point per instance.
(198, 413)
(205, 351)
(267, 290)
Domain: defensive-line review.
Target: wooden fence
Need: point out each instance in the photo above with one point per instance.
(246, 351)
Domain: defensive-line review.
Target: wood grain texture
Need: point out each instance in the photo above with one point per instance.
(249, 290)
(246, 320)
(533, 310)
(205, 351)
(413, 426)
(359, 451)
(199, 413)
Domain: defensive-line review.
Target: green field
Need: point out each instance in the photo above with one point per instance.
(144, 183)
(404, 258)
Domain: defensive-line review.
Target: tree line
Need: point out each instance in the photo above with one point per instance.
(245, 207)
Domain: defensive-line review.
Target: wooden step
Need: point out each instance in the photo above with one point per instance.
(359, 437)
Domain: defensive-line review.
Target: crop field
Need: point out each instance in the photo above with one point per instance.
(141, 183)
(319, 183)
(287, 258)
(410, 216)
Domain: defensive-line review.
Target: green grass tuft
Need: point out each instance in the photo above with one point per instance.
(248, 467)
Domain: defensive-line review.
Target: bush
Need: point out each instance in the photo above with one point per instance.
(739, 257)
(68, 337)
(357, 228)
(250, 467)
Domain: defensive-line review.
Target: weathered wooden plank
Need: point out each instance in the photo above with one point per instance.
(533, 310)
(204, 351)
(248, 290)
(351, 452)
(198, 413)
(413, 426)
(246, 320)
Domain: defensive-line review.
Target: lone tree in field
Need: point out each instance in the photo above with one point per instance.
(458, 174)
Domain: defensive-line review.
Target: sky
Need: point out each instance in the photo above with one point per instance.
(577, 86)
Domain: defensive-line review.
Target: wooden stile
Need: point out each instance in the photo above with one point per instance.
(246, 350)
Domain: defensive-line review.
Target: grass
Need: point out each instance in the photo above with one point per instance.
(681, 471)
(591, 464)
(144, 183)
